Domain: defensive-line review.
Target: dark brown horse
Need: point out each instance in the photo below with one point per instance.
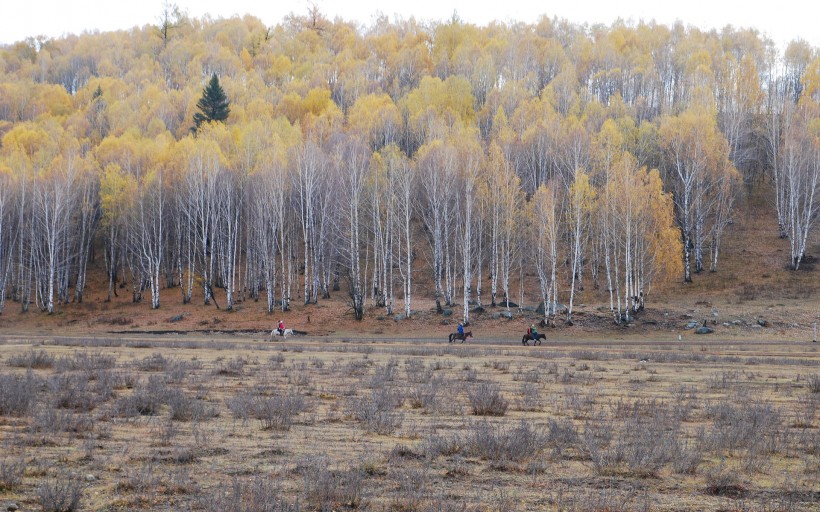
(456, 336)
(537, 341)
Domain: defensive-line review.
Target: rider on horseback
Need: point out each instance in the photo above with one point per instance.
(533, 332)
(281, 328)
(461, 329)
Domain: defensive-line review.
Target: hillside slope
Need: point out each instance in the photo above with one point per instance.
(752, 286)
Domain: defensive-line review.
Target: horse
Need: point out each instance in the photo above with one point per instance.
(275, 332)
(525, 340)
(456, 336)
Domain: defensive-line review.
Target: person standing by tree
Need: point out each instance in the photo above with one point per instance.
(214, 104)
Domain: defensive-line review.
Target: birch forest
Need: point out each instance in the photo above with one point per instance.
(397, 161)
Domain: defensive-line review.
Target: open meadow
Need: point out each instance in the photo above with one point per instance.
(223, 423)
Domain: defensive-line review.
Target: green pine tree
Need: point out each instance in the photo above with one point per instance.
(214, 104)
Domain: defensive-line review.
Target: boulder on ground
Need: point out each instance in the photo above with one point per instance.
(704, 330)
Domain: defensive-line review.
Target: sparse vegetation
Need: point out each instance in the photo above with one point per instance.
(386, 427)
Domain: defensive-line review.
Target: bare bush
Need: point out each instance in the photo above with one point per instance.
(378, 411)
(72, 391)
(562, 435)
(259, 494)
(278, 412)
(687, 457)
(742, 426)
(523, 375)
(417, 372)
(234, 367)
(32, 359)
(486, 400)
(641, 448)
(11, 474)
(427, 395)
(146, 400)
(178, 371)
(51, 420)
(156, 362)
(443, 445)
(723, 482)
(384, 374)
(814, 383)
(18, 393)
(500, 443)
(85, 362)
(411, 488)
(241, 406)
(328, 489)
(530, 399)
(187, 408)
(60, 494)
(142, 478)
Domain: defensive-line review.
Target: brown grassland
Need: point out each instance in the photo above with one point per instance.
(110, 406)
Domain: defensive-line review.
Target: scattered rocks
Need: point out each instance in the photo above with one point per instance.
(691, 325)
(177, 318)
(11, 507)
(447, 312)
(507, 314)
(763, 323)
(399, 318)
(507, 304)
(90, 478)
(704, 330)
(477, 309)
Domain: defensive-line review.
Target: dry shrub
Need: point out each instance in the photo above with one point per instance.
(232, 367)
(11, 474)
(278, 412)
(72, 391)
(501, 443)
(411, 488)
(814, 383)
(156, 362)
(18, 393)
(426, 395)
(259, 494)
(486, 400)
(187, 408)
(60, 494)
(32, 359)
(328, 489)
(377, 412)
(723, 482)
(85, 362)
(146, 400)
(530, 399)
(562, 435)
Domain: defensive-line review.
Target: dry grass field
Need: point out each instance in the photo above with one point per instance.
(240, 423)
